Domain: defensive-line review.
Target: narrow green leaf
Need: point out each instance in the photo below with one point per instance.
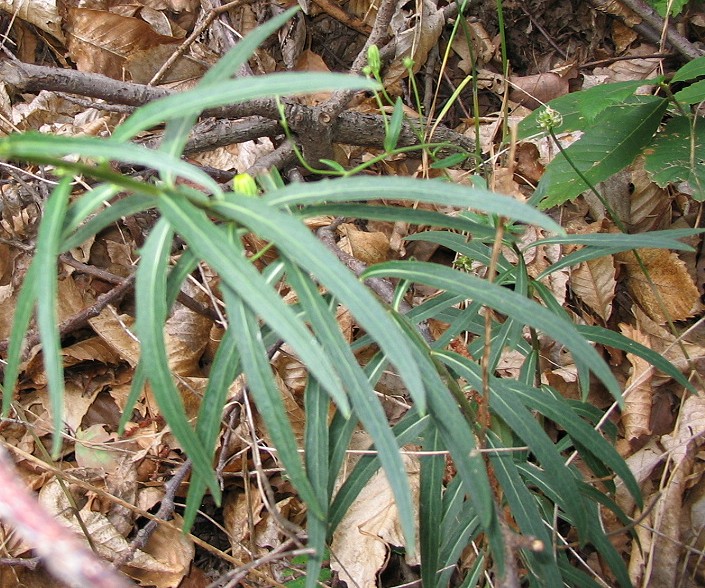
(47, 252)
(612, 338)
(457, 435)
(668, 239)
(316, 405)
(206, 240)
(409, 189)
(122, 208)
(223, 371)
(362, 395)
(431, 507)
(392, 137)
(555, 408)
(20, 324)
(150, 291)
(228, 92)
(523, 424)
(525, 512)
(405, 431)
(294, 238)
(340, 433)
(86, 205)
(39, 147)
(602, 151)
(264, 391)
(414, 216)
(505, 301)
(139, 380)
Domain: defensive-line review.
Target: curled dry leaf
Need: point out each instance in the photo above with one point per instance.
(535, 90)
(370, 526)
(639, 392)
(367, 247)
(483, 48)
(43, 14)
(650, 204)
(415, 41)
(673, 296)
(594, 283)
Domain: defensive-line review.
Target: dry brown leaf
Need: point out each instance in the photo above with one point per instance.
(310, 61)
(367, 247)
(293, 373)
(636, 415)
(535, 90)
(43, 14)
(674, 285)
(483, 48)
(415, 42)
(594, 283)
(187, 334)
(166, 558)
(115, 331)
(370, 525)
(650, 204)
(101, 42)
(242, 512)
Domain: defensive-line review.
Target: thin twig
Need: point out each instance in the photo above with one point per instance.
(165, 512)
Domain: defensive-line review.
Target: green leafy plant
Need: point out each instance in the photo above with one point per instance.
(618, 125)
(450, 391)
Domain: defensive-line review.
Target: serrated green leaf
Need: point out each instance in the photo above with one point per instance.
(691, 70)
(678, 155)
(603, 150)
(693, 94)
(579, 110)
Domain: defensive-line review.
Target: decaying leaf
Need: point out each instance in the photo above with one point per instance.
(370, 526)
(673, 296)
(639, 395)
(594, 283)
